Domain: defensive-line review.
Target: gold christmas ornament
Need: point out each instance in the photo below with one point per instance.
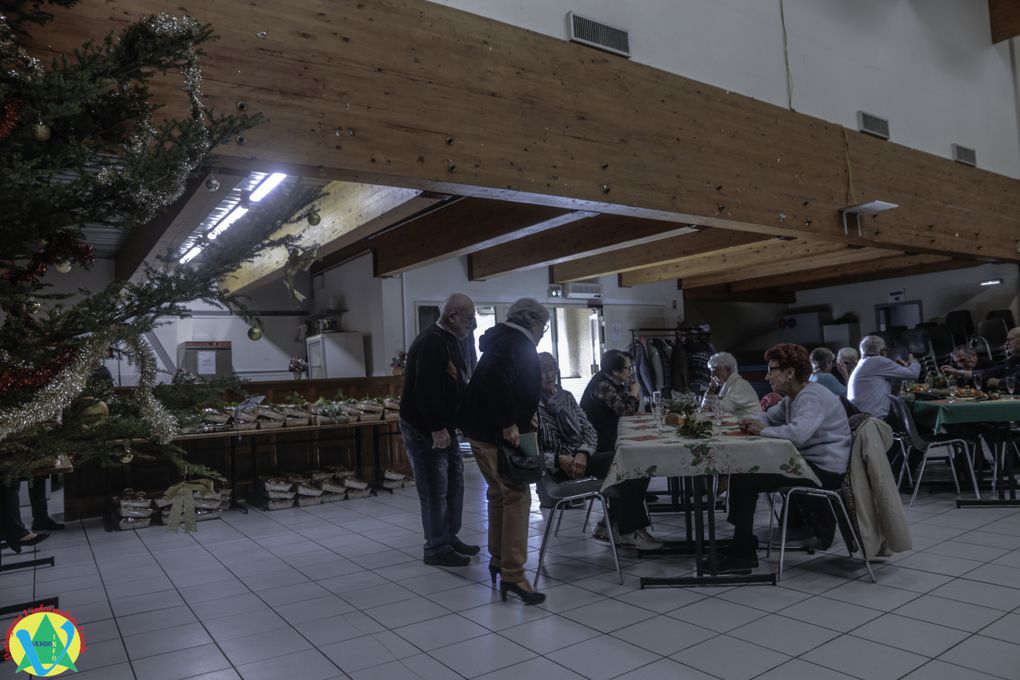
(314, 219)
(126, 456)
(254, 333)
(41, 132)
(94, 412)
(63, 266)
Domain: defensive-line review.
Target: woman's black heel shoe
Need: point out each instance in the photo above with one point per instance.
(527, 596)
(493, 572)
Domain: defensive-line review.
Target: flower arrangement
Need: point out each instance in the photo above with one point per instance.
(399, 361)
(298, 365)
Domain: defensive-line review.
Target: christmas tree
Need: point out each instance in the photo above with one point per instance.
(81, 143)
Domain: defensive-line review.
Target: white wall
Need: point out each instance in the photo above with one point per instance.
(384, 308)
(939, 293)
(926, 65)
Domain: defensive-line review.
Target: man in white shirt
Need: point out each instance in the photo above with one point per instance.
(736, 396)
(870, 384)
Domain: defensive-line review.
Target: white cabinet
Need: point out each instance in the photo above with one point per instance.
(336, 355)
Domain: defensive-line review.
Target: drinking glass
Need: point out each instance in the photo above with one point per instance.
(951, 382)
(1010, 384)
(657, 407)
(978, 380)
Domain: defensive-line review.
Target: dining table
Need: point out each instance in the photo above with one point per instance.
(997, 416)
(647, 448)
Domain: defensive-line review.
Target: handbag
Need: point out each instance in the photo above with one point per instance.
(521, 464)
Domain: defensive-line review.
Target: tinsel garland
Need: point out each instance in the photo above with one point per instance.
(57, 395)
(163, 426)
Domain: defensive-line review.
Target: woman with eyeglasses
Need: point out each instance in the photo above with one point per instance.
(813, 419)
(611, 394)
(564, 430)
(499, 404)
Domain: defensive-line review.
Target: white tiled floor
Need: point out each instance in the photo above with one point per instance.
(339, 591)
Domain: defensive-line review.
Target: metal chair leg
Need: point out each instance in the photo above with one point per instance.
(587, 515)
(772, 520)
(612, 539)
(920, 475)
(860, 543)
(952, 467)
(782, 538)
(559, 519)
(545, 542)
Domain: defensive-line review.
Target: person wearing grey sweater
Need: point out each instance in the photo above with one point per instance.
(813, 419)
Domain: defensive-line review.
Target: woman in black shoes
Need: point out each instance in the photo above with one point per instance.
(499, 404)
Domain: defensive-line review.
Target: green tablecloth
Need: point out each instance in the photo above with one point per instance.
(935, 414)
(643, 451)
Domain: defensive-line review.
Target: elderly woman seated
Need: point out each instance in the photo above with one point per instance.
(734, 394)
(564, 431)
(821, 371)
(813, 419)
(846, 362)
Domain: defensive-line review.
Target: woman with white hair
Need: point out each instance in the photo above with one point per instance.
(735, 395)
(846, 362)
(821, 371)
(499, 404)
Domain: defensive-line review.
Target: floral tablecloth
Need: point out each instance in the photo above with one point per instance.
(643, 451)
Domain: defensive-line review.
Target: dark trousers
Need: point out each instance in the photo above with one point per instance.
(744, 490)
(439, 479)
(11, 526)
(626, 500)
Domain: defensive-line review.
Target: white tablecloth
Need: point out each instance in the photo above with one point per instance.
(643, 451)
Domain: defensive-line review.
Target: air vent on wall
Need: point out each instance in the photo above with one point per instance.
(873, 125)
(583, 291)
(595, 34)
(962, 154)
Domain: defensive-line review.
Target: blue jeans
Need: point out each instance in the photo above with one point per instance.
(439, 478)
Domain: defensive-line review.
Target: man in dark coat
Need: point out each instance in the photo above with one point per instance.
(434, 378)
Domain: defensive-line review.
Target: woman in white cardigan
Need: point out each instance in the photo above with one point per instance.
(736, 396)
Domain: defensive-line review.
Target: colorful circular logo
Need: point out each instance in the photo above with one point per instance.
(44, 642)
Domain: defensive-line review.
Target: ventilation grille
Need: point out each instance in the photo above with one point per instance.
(583, 291)
(873, 125)
(962, 154)
(594, 34)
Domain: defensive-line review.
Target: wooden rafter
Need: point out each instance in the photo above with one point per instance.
(782, 265)
(1005, 19)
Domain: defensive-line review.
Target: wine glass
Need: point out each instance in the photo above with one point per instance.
(951, 383)
(657, 407)
(1010, 385)
(978, 380)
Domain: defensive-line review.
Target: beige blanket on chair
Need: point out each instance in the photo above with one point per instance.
(880, 515)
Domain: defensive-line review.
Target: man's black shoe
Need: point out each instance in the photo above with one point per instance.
(447, 558)
(463, 548)
(740, 563)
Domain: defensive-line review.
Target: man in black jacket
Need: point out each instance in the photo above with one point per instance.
(433, 381)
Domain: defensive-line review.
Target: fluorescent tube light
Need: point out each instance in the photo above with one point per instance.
(991, 282)
(227, 222)
(268, 184)
(190, 255)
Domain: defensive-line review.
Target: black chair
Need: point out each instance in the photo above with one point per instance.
(953, 445)
(961, 325)
(566, 494)
(1004, 314)
(942, 344)
(991, 336)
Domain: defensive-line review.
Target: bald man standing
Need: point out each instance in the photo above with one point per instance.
(433, 381)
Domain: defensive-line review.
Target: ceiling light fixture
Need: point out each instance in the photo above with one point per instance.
(267, 186)
(991, 282)
(227, 222)
(190, 255)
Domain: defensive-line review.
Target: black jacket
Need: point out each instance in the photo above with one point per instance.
(504, 388)
(433, 381)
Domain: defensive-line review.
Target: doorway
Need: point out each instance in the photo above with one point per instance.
(898, 315)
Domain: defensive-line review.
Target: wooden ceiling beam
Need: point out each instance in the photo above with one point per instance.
(416, 94)
(459, 227)
(887, 265)
(780, 266)
(596, 235)
(731, 259)
(726, 293)
(1005, 19)
(349, 213)
(947, 264)
(657, 252)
